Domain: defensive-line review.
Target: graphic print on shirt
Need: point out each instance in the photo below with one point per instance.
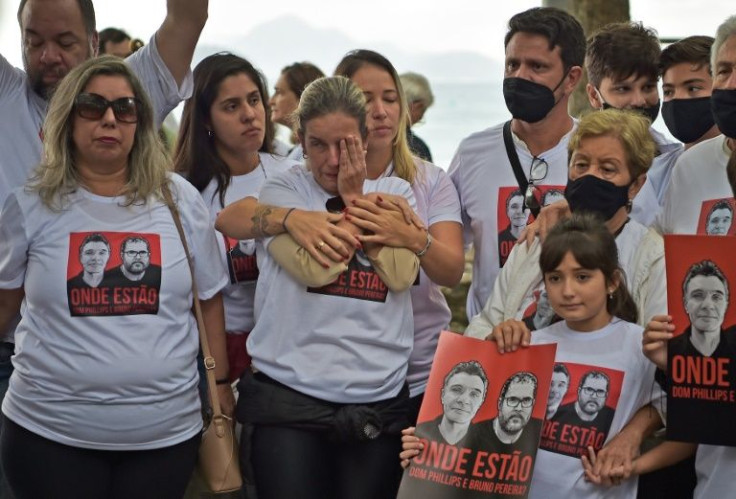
(241, 259)
(513, 215)
(716, 217)
(539, 313)
(580, 408)
(113, 273)
(359, 281)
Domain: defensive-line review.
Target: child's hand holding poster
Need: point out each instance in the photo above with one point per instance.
(480, 421)
(701, 397)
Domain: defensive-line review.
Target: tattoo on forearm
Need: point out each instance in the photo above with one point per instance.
(260, 221)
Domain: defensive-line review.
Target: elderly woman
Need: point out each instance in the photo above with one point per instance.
(327, 399)
(223, 151)
(610, 153)
(105, 386)
(288, 90)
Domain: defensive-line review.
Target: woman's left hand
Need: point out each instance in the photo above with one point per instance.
(385, 224)
(227, 399)
(351, 171)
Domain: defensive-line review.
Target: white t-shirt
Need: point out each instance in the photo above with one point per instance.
(114, 366)
(714, 469)
(698, 182)
(484, 179)
(20, 137)
(350, 348)
(238, 257)
(616, 351)
(437, 201)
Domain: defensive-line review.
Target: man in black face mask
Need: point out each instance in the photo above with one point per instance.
(622, 60)
(545, 48)
(699, 181)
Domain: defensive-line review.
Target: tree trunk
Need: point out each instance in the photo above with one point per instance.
(592, 14)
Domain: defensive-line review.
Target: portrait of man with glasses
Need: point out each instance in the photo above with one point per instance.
(136, 269)
(590, 408)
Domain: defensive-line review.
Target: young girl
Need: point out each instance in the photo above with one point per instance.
(224, 151)
(600, 346)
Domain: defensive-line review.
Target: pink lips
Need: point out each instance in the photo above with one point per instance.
(108, 140)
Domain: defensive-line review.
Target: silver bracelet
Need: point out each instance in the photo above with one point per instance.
(424, 250)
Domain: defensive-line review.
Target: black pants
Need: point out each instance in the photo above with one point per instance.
(38, 468)
(292, 463)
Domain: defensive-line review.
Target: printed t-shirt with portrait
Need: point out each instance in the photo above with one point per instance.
(698, 185)
(134, 373)
(616, 351)
(349, 343)
(238, 257)
(484, 178)
(21, 137)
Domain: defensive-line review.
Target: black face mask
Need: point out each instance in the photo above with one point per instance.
(528, 101)
(723, 105)
(688, 119)
(592, 194)
(649, 113)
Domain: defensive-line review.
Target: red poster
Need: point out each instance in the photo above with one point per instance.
(113, 273)
(701, 370)
(480, 421)
(716, 217)
(513, 215)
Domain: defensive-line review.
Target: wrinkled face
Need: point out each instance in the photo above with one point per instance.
(686, 80)
(724, 74)
(238, 116)
(94, 257)
(54, 42)
(719, 222)
(462, 396)
(512, 413)
(629, 93)
(283, 102)
(321, 142)
(528, 56)
(592, 395)
(557, 389)
(136, 257)
(103, 142)
(382, 105)
(578, 295)
(515, 211)
(706, 300)
(602, 156)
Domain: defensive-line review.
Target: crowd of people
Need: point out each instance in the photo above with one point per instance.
(319, 262)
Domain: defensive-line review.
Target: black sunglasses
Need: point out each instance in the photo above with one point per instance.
(94, 107)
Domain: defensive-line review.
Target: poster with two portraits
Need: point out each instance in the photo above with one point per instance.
(480, 422)
(701, 358)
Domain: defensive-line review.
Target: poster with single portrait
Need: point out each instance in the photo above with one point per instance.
(582, 402)
(513, 215)
(480, 421)
(701, 373)
(716, 217)
(113, 273)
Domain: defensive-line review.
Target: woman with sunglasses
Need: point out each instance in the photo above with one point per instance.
(105, 386)
(223, 150)
(610, 153)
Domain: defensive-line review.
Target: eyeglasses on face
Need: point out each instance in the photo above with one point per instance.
(594, 392)
(525, 402)
(94, 107)
(537, 172)
(134, 254)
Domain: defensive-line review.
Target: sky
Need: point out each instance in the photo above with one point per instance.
(416, 25)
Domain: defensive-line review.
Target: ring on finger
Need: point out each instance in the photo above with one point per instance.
(320, 245)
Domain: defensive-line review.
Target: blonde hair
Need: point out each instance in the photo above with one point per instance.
(630, 128)
(57, 176)
(404, 166)
(329, 95)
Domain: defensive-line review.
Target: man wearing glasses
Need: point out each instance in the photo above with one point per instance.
(136, 269)
(545, 48)
(590, 408)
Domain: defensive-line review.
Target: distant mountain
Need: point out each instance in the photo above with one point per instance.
(288, 39)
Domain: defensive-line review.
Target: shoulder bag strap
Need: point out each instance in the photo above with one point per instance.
(514, 160)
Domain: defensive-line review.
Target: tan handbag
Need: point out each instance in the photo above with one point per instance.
(218, 453)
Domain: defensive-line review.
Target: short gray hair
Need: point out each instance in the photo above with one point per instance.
(416, 88)
(725, 30)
